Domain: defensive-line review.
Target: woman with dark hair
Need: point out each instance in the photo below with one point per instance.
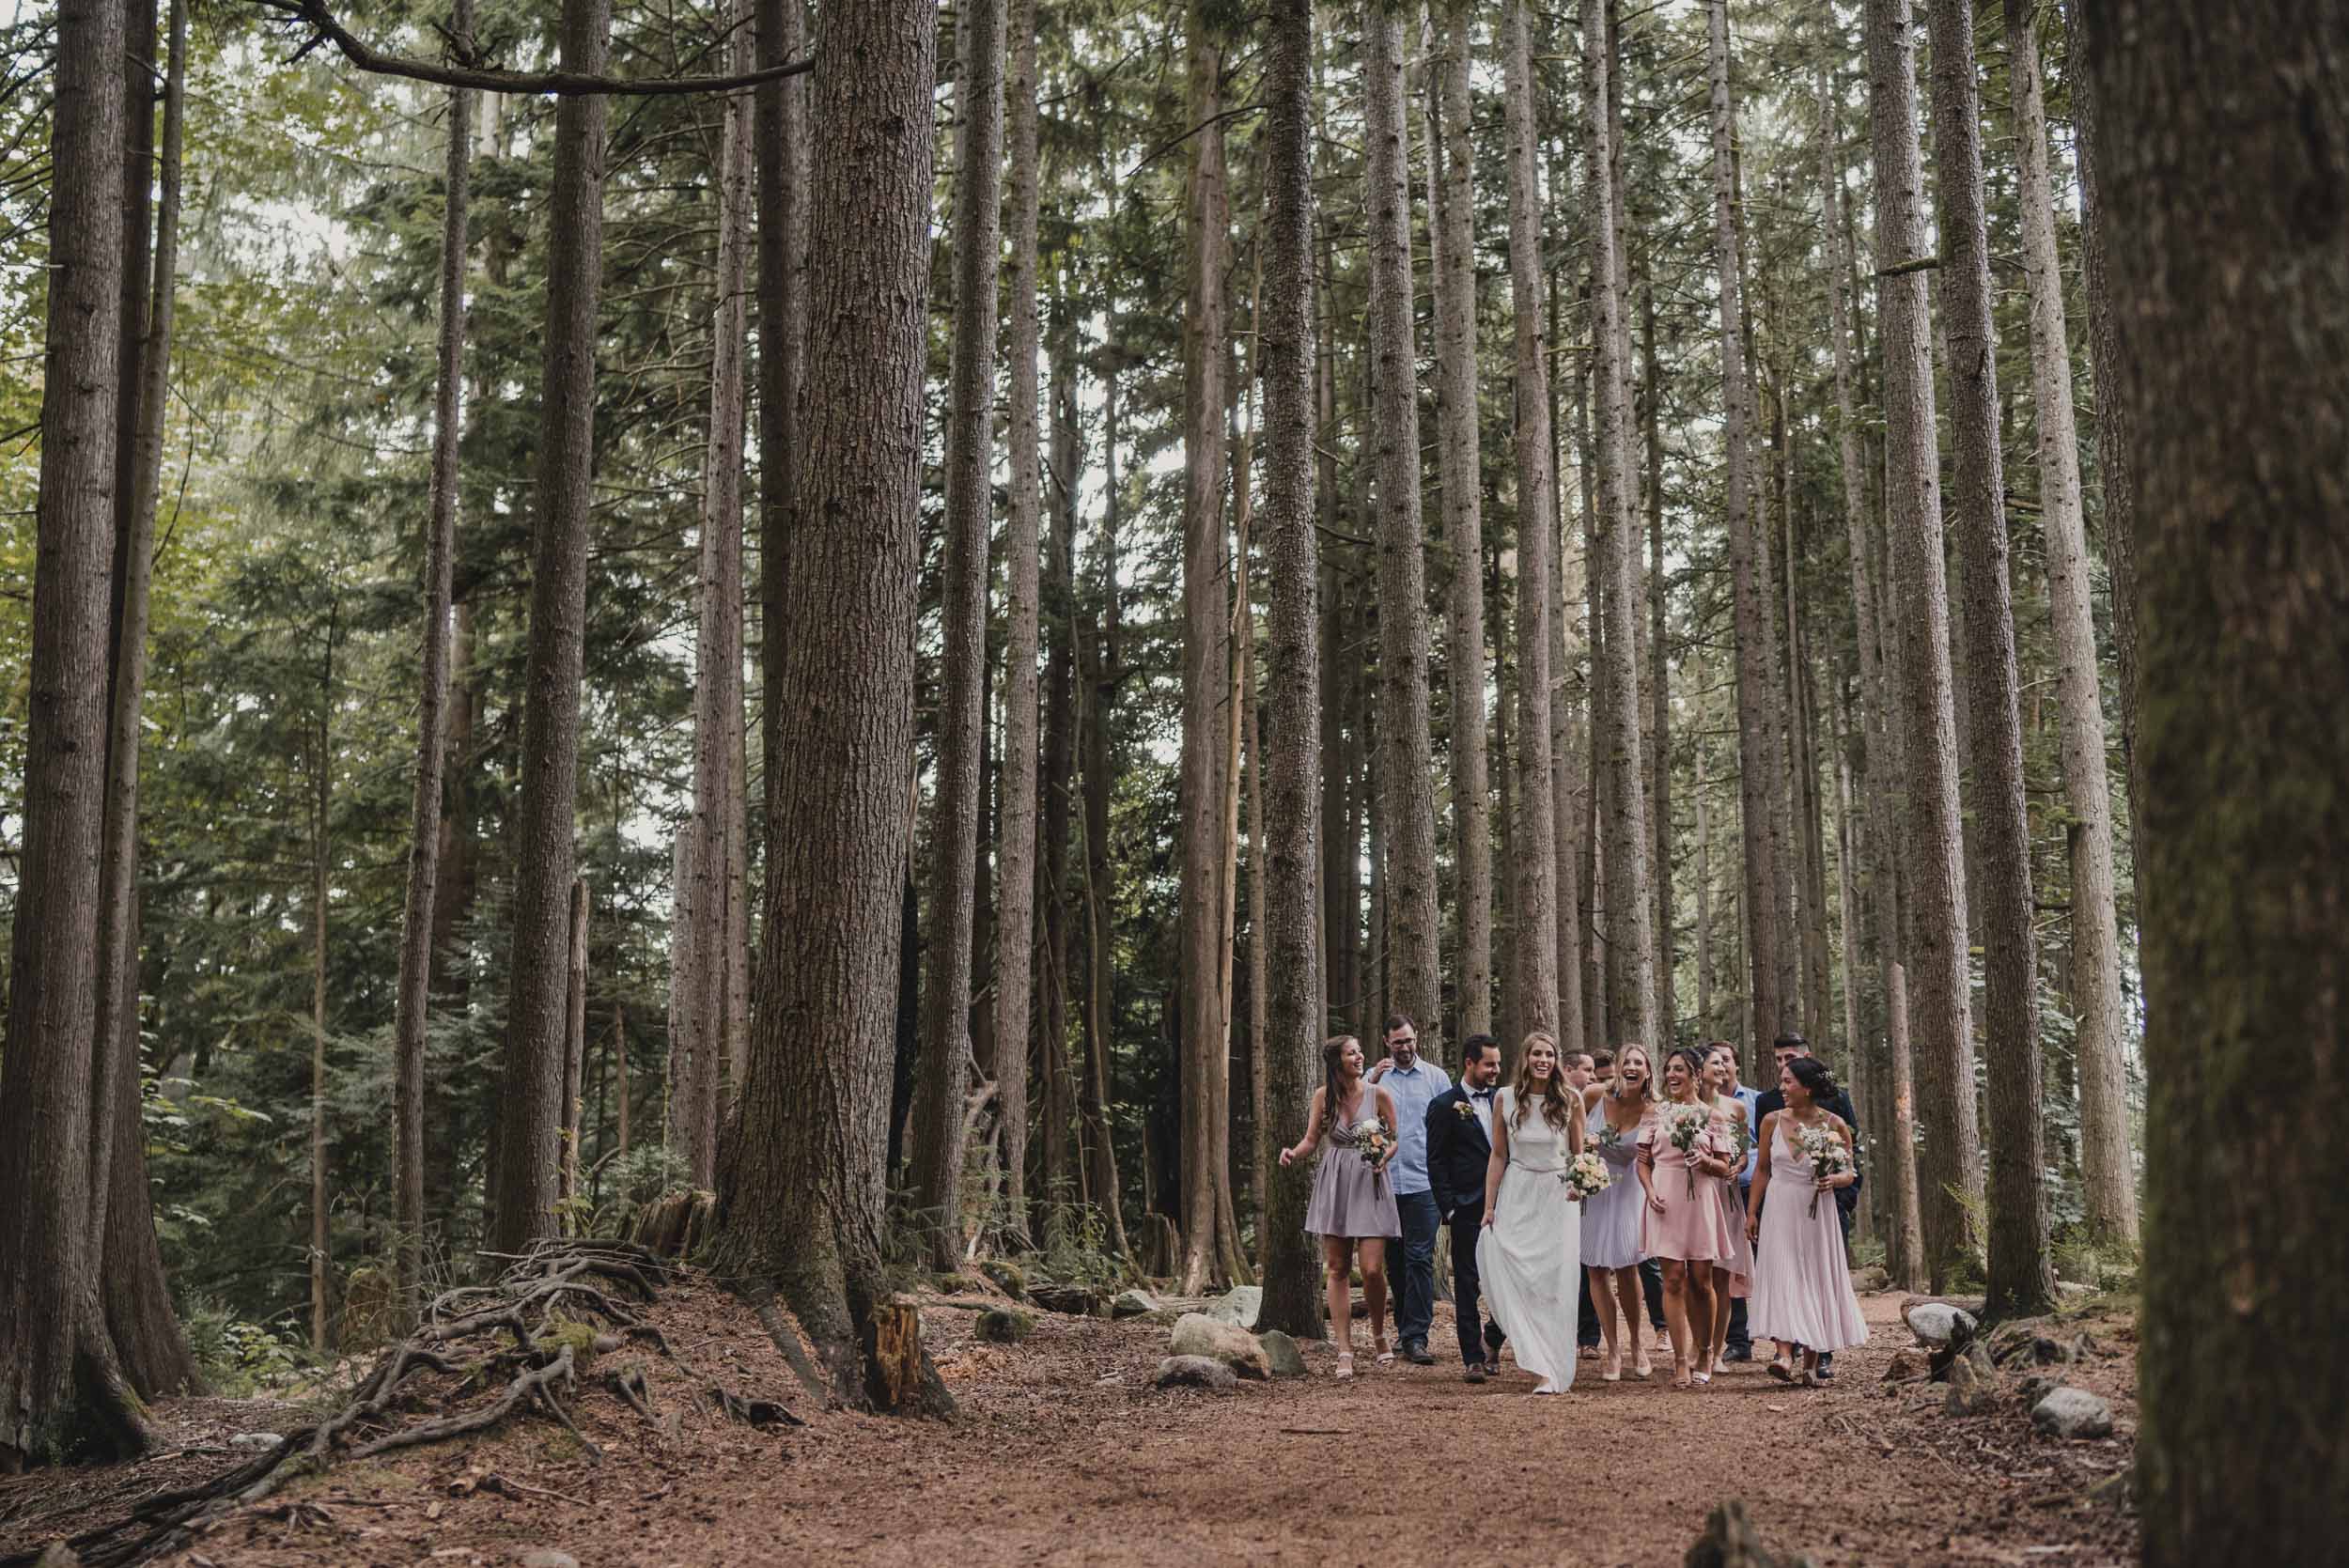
(1615, 1112)
(1802, 1293)
(1351, 1202)
(1530, 1253)
(1684, 1226)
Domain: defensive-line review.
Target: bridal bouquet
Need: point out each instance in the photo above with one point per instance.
(1686, 1125)
(1826, 1152)
(1586, 1175)
(1374, 1142)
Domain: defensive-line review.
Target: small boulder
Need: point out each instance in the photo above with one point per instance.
(1908, 1365)
(1133, 1303)
(1006, 1324)
(1729, 1540)
(253, 1442)
(1195, 1371)
(1237, 1305)
(1196, 1334)
(2069, 1412)
(57, 1554)
(1281, 1352)
(1937, 1323)
(1006, 1278)
(1870, 1280)
(544, 1556)
(1973, 1388)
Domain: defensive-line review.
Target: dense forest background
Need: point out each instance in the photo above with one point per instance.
(279, 748)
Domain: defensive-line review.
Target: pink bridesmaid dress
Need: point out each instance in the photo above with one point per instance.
(1689, 1228)
(1802, 1291)
(1737, 1254)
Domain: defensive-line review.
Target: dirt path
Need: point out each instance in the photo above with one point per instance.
(1065, 1454)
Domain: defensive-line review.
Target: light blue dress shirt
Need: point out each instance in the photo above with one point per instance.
(1747, 1097)
(1411, 1089)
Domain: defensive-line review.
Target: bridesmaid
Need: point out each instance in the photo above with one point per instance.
(1682, 1226)
(1351, 1203)
(1617, 1110)
(1802, 1293)
(1733, 1274)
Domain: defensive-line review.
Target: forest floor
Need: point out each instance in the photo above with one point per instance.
(1063, 1453)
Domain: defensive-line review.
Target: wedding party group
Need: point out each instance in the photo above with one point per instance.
(1589, 1189)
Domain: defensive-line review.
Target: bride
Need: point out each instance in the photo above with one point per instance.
(1530, 1253)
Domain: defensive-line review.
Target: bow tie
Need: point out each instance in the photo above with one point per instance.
(1480, 1094)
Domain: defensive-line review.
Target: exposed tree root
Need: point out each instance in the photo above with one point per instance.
(553, 1310)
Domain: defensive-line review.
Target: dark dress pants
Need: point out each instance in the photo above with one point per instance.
(1479, 1340)
(1415, 1287)
(1737, 1339)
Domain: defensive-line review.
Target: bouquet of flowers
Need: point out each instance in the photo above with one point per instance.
(1586, 1175)
(1826, 1152)
(1686, 1125)
(1608, 1136)
(1374, 1142)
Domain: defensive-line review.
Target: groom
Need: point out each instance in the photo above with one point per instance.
(1459, 1145)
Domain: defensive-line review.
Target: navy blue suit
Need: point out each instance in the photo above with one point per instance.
(1458, 1153)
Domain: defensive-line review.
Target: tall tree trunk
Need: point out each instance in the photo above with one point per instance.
(1659, 654)
(530, 1099)
(1407, 752)
(145, 1327)
(57, 1376)
(1931, 878)
(1062, 1182)
(1885, 775)
(1757, 749)
(2107, 1177)
(1705, 1027)
(1452, 160)
(322, 786)
(800, 1202)
(937, 1146)
(781, 134)
(2225, 260)
(1294, 1014)
(574, 1059)
(2021, 1277)
(1631, 931)
(432, 719)
(1533, 848)
(1103, 677)
(1205, 625)
(1015, 918)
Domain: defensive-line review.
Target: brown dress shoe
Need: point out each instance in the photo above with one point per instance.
(1475, 1372)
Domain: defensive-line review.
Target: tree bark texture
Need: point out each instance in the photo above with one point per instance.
(1016, 917)
(1406, 753)
(802, 1200)
(57, 1376)
(780, 133)
(1291, 820)
(1931, 878)
(936, 1148)
(1659, 659)
(1630, 925)
(2108, 1173)
(1205, 617)
(1453, 154)
(2227, 264)
(531, 1098)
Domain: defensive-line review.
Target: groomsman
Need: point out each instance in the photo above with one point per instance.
(1782, 1050)
(1581, 1067)
(1459, 1147)
(1737, 1346)
(1413, 1082)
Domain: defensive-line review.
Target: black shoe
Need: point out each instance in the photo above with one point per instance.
(1417, 1354)
(1827, 1368)
(1475, 1372)
(1739, 1353)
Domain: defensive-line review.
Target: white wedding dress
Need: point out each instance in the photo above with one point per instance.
(1530, 1257)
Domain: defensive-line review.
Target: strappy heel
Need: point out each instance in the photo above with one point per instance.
(1346, 1363)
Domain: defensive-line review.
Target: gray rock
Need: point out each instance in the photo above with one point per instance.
(2069, 1412)
(544, 1556)
(57, 1554)
(1133, 1303)
(1196, 1334)
(1729, 1540)
(1006, 1278)
(254, 1441)
(1282, 1353)
(1871, 1280)
(1237, 1305)
(1195, 1371)
(1972, 1389)
(1937, 1323)
(1006, 1324)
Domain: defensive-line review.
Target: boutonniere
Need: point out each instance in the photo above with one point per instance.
(1464, 1109)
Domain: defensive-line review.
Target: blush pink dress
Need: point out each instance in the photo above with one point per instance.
(1736, 1256)
(1802, 1291)
(1689, 1226)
